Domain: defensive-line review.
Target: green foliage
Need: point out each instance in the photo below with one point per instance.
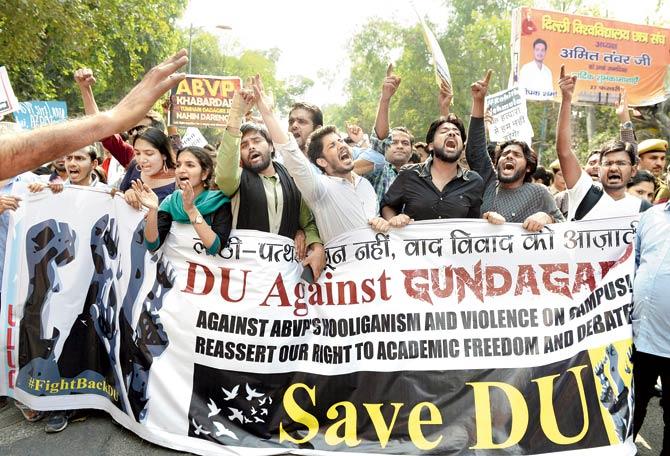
(476, 38)
(42, 43)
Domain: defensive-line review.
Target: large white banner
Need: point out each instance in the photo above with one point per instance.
(454, 337)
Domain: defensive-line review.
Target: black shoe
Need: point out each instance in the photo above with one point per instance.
(56, 421)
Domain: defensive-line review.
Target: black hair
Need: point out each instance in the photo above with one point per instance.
(540, 41)
(315, 148)
(642, 176)
(452, 119)
(258, 128)
(156, 120)
(92, 153)
(616, 145)
(544, 175)
(317, 115)
(100, 172)
(349, 141)
(592, 153)
(528, 153)
(406, 131)
(160, 141)
(205, 160)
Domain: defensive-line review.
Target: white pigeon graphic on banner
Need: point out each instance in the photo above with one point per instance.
(221, 430)
(236, 415)
(247, 409)
(252, 393)
(232, 394)
(199, 429)
(213, 408)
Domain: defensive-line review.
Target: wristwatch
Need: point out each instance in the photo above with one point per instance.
(197, 220)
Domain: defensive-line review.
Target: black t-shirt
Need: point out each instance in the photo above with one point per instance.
(413, 193)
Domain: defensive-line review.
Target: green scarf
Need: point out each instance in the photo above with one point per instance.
(207, 202)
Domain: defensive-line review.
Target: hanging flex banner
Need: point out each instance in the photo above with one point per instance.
(608, 57)
(450, 337)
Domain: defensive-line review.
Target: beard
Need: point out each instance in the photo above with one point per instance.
(518, 174)
(339, 169)
(440, 153)
(258, 166)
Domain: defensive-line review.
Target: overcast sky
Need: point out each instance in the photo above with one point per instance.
(313, 35)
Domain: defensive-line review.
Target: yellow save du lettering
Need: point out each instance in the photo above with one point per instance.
(200, 87)
(344, 416)
(350, 422)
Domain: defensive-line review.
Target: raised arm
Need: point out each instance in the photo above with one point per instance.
(479, 90)
(444, 98)
(119, 149)
(24, 151)
(569, 163)
(297, 164)
(475, 149)
(626, 132)
(228, 169)
(277, 133)
(85, 80)
(389, 87)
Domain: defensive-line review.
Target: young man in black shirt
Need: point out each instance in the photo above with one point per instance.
(439, 188)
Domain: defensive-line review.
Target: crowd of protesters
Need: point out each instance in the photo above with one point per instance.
(311, 183)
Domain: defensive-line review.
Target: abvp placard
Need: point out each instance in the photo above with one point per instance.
(203, 101)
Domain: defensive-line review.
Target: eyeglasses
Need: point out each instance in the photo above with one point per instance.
(618, 163)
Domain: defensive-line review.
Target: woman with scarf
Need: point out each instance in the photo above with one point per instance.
(207, 210)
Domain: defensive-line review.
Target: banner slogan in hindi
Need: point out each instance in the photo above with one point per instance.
(450, 337)
(607, 57)
(202, 101)
(509, 116)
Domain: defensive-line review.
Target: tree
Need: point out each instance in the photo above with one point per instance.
(43, 42)
(208, 58)
(476, 39)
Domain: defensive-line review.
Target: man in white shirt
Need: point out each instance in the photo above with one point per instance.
(340, 199)
(618, 160)
(535, 77)
(79, 166)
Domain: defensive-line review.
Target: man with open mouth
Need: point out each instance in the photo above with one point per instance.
(263, 195)
(438, 188)
(340, 199)
(509, 194)
(618, 162)
(391, 148)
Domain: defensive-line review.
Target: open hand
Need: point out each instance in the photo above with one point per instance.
(145, 195)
